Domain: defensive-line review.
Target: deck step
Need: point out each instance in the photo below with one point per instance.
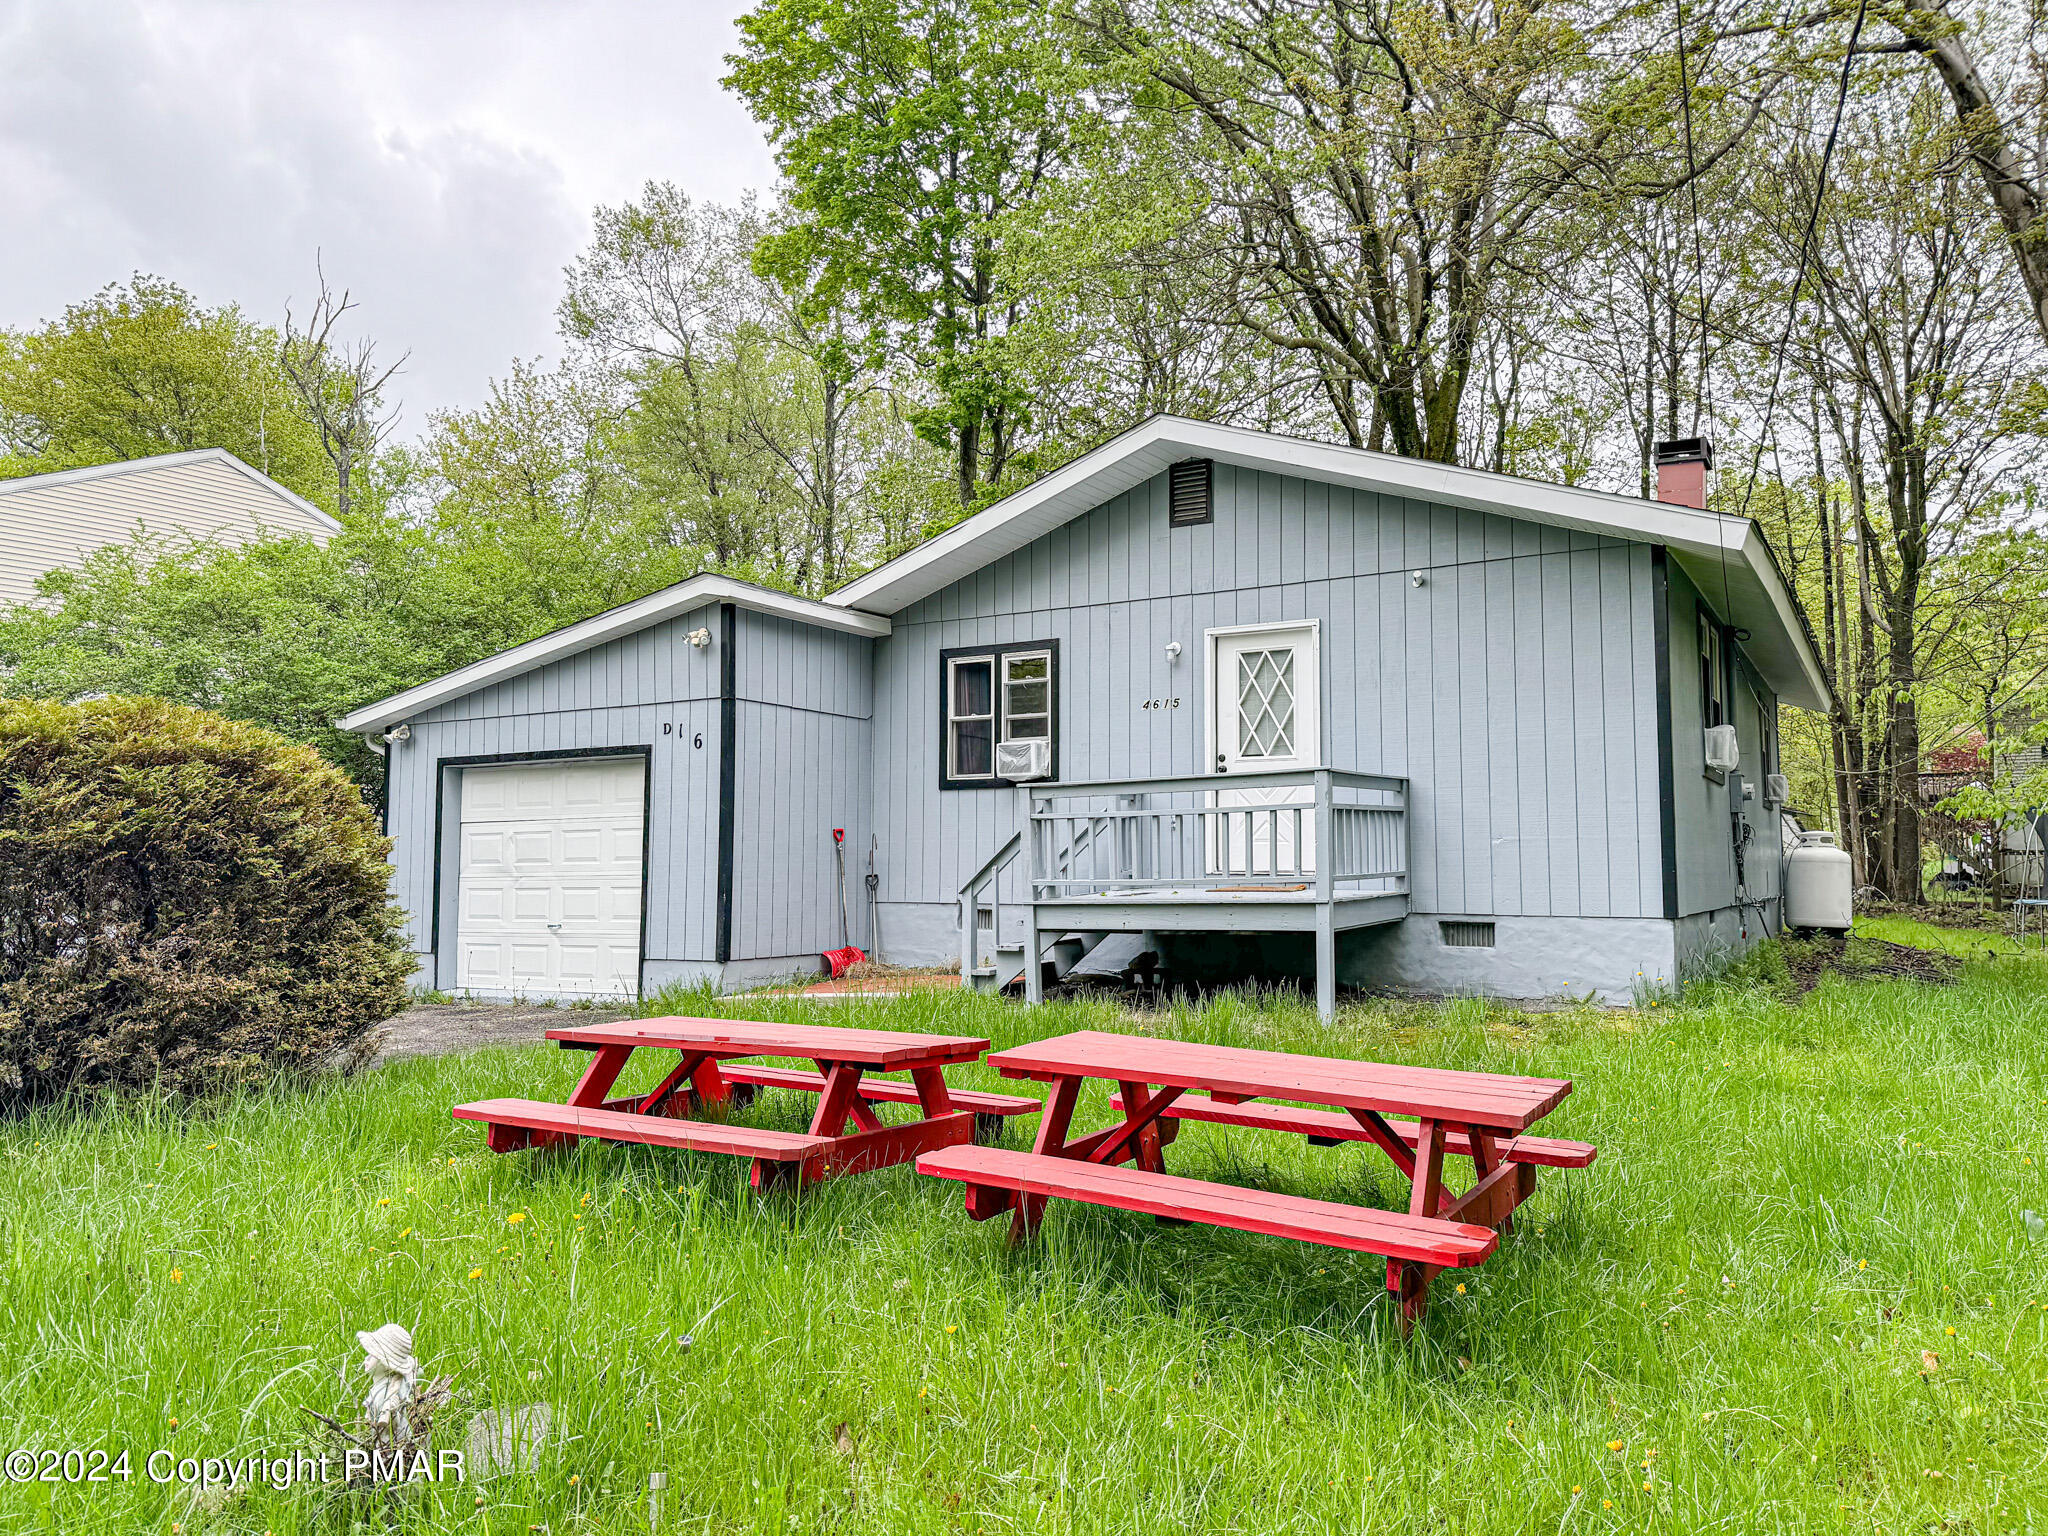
(1326, 1127)
(1391, 1234)
(650, 1130)
(877, 1089)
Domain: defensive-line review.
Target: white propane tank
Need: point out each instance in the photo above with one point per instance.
(1819, 884)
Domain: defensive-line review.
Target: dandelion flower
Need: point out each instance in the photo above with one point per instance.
(1607, 1503)
(385, 1201)
(955, 1328)
(575, 1478)
(1461, 1289)
(1614, 1445)
(1576, 1489)
(515, 1218)
(477, 1273)
(1950, 1332)
(406, 1233)
(177, 1277)
(1646, 1485)
(213, 1146)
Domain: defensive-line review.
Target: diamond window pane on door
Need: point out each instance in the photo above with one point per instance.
(1265, 703)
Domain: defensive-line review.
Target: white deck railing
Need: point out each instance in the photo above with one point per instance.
(1324, 830)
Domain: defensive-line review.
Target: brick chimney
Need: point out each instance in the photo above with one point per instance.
(1682, 466)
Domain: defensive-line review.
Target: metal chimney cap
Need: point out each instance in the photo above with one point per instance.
(1684, 450)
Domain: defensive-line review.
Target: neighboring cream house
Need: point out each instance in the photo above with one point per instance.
(48, 521)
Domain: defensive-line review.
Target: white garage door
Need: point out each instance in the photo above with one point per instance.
(549, 889)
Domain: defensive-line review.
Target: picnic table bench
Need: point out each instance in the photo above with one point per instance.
(705, 1081)
(1480, 1115)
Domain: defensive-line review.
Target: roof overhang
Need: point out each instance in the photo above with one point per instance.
(1725, 556)
(169, 461)
(612, 624)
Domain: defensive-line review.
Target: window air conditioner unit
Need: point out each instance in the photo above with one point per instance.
(1777, 788)
(1722, 753)
(1021, 761)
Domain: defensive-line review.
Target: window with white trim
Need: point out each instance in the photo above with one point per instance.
(994, 694)
(1713, 674)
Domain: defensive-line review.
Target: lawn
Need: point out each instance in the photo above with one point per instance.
(1972, 942)
(1796, 1292)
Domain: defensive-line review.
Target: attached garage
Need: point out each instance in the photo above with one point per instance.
(643, 800)
(548, 892)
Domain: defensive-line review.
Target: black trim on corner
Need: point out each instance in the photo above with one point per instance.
(1667, 773)
(728, 770)
(996, 653)
(643, 751)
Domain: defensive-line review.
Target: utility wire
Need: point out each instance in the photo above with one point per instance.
(1805, 248)
(1699, 262)
(1692, 186)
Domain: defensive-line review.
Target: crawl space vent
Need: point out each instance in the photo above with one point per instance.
(1467, 935)
(1188, 495)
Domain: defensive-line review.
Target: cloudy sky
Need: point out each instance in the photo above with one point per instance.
(442, 156)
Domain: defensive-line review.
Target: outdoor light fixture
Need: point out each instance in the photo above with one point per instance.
(399, 733)
(699, 638)
(1415, 578)
(1172, 651)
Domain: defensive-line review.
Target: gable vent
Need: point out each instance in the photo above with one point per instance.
(1189, 498)
(1467, 935)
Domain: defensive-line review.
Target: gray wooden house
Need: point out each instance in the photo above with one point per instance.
(1280, 707)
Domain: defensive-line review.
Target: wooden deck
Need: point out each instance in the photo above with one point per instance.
(1317, 850)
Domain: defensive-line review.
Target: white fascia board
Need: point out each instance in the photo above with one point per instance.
(1745, 587)
(105, 471)
(1151, 447)
(612, 624)
(168, 461)
(283, 493)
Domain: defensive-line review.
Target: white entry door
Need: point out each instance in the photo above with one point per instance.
(549, 888)
(1264, 713)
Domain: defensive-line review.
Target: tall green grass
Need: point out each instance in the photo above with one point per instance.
(1795, 1292)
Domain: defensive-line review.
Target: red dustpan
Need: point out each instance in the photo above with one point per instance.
(843, 959)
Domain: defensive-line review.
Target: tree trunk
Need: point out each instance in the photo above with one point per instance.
(1936, 37)
(969, 458)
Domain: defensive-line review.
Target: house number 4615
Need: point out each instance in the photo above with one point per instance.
(1160, 704)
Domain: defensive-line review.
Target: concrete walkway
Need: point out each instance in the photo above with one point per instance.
(435, 1029)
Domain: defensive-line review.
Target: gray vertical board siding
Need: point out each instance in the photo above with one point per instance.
(804, 745)
(1515, 687)
(1763, 857)
(651, 690)
(1706, 859)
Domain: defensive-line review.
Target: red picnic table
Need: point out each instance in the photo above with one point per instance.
(1480, 1115)
(713, 1073)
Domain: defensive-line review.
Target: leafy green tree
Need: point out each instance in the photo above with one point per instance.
(512, 520)
(909, 131)
(144, 368)
(283, 633)
(1375, 176)
(754, 423)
